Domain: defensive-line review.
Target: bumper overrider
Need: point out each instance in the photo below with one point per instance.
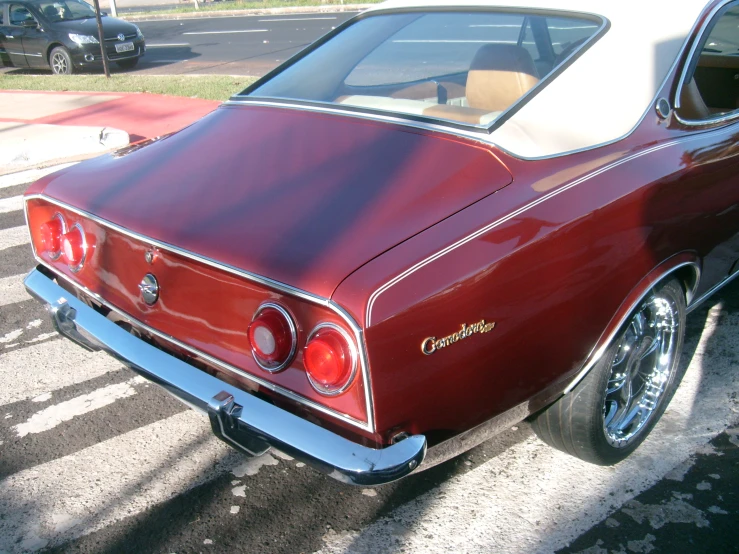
(242, 420)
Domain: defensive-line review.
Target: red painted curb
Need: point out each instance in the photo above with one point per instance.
(140, 115)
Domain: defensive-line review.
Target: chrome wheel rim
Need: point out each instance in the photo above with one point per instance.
(640, 371)
(59, 63)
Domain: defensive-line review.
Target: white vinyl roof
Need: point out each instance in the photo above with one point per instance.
(603, 95)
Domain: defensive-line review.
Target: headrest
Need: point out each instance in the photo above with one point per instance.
(499, 75)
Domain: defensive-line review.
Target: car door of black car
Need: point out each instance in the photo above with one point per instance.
(4, 58)
(11, 38)
(35, 43)
(25, 38)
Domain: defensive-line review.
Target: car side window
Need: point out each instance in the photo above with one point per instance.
(19, 14)
(2, 14)
(710, 87)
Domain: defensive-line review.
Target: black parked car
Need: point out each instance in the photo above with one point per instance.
(63, 35)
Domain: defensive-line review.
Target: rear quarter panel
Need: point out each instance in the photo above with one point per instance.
(551, 260)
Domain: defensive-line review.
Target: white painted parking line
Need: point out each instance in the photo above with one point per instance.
(109, 481)
(14, 236)
(50, 417)
(297, 19)
(12, 204)
(12, 290)
(168, 45)
(532, 498)
(226, 32)
(49, 366)
(29, 176)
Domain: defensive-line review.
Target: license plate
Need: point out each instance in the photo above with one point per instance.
(124, 47)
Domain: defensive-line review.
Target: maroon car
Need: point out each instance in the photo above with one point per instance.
(440, 219)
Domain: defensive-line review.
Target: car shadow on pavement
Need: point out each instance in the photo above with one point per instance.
(285, 507)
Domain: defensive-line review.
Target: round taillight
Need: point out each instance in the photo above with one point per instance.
(50, 234)
(74, 247)
(272, 337)
(330, 359)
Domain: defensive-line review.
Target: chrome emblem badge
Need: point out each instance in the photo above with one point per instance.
(121, 37)
(149, 288)
(432, 344)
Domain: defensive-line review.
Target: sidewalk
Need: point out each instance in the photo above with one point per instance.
(43, 128)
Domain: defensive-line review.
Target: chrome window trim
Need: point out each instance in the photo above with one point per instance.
(475, 130)
(699, 34)
(369, 425)
(597, 353)
(478, 137)
(293, 335)
(352, 347)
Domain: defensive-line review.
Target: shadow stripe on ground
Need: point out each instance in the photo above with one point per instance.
(73, 418)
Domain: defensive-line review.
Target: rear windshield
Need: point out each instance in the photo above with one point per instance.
(464, 68)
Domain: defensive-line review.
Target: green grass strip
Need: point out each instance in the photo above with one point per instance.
(210, 87)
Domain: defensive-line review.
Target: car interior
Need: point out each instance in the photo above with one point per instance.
(713, 88)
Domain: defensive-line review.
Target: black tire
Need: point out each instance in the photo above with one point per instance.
(60, 61)
(584, 423)
(128, 64)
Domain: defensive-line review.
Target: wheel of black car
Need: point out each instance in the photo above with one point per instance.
(613, 409)
(60, 61)
(128, 64)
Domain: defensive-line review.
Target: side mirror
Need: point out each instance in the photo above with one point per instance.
(29, 24)
(103, 13)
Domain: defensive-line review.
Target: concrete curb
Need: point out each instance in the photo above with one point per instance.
(25, 146)
(233, 13)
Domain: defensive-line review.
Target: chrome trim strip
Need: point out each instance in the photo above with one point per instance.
(237, 417)
(354, 356)
(596, 355)
(264, 281)
(476, 136)
(293, 335)
(693, 305)
(724, 118)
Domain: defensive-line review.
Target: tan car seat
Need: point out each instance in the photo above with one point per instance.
(499, 75)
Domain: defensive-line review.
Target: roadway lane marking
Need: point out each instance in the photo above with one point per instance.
(168, 45)
(45, 367)
(112, 480)
(50, 417)
(226, 32)
(14, 236)
(12, 204)
(532, 498)
(297, 19)
(12, 290)
(30, 175)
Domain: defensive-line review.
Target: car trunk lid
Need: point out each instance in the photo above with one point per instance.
(303, 198)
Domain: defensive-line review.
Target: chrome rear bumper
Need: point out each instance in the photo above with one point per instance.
(242, 420)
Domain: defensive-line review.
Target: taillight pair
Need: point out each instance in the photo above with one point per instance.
(329, 356)
(69, 244)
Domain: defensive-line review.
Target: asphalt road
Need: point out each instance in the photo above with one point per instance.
(93, 459)
(230, 45)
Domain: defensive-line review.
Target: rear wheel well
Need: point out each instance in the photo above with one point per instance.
(688, 275)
